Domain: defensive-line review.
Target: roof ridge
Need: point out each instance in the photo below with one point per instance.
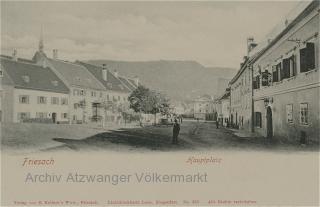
(22, 62)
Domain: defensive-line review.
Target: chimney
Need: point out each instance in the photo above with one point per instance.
(136, 80)
(15, 55)
(44, 63)
(116, 73)
(104, 72)
(55, 54)
(250, 44)
(287, 22)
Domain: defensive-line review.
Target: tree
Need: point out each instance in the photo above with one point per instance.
(144, 100)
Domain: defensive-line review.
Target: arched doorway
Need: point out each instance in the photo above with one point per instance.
(269, 123)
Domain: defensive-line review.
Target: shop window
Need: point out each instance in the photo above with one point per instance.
(307, 58)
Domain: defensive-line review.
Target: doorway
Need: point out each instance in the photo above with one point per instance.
(269, 123)
(54, 117)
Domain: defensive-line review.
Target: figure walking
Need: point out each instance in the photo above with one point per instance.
(176, 130)
(217, 123)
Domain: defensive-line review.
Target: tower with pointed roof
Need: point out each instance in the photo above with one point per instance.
(40, 57)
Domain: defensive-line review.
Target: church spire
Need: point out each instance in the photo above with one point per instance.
(41, 46)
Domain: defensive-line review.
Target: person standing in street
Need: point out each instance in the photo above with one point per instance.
(217, 123)
(176, 130)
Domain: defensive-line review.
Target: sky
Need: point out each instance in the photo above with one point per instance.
(213, 33)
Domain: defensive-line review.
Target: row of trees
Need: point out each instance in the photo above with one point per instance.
(144, 100)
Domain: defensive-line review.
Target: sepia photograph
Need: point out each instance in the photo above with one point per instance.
(160, 103)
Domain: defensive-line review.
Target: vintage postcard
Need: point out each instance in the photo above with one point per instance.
(160, 103)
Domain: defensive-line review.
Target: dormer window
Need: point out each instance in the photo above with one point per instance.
(121, 86)
(109, 85)
(55, 83)
(26, 78)
(77, 78)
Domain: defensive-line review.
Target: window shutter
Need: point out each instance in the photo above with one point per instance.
(274, 74)
(303, 60)
(286, 68)
(310, 56)
(293, 64)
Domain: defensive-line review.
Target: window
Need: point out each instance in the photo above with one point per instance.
(286, 68)
(75, 92)
(55, 83)
(307, 58)
(1, 72)
(93, 94)
(41, 115)
(108, 97)
(289, 111)
(293, 66)
(101, 94)
(256, 82)
(26, 78)
(54, 100)
(258, 119)
(64, 115)
(75, 106)
(266, 76)
(289, 67)
(275, 74)
(304, 114)
(24, 99)
(42, 100)
(23, 115)
(118, 98)
(64, 101)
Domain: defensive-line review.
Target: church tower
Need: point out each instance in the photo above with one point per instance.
(40, 57)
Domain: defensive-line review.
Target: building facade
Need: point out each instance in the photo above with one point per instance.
(32, 93)
(286, 81)
(203, 108)
(222, 106)
(52, 90)
(241, 98)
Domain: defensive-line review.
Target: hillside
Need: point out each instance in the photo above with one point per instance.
(180, 80)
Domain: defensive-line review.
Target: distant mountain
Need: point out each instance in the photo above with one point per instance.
(180, 80)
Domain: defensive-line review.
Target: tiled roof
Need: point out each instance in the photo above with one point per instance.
(30, 76)
(127, 83)
(76, 75)
(112, 82)
(132, 82)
